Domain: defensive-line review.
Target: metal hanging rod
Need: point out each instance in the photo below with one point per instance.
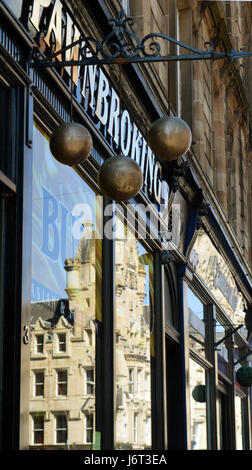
(116, 49)
(228, 334)
(243, 357)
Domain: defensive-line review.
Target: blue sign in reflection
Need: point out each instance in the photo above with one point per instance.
(57, 189)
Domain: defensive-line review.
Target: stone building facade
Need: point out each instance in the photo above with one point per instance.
(213, 97)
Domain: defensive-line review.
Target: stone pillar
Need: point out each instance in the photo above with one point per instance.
(198, 112)
(220, 147)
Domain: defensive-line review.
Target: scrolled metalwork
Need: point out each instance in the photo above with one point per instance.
(122, 45)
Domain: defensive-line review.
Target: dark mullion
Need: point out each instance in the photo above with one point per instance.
(107, 340)
(209, 318)
(11, 267)
(183, 438)
(158, 393)
(231, 395)
(2, 309)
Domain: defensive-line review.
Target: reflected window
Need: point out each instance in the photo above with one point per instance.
(148, 430)
(62, 342)
(62, 382)
(39, 384)
(196, 323)
(39, 346)
(61, 429)
(38, 429)
(133, 324)
(139, 377)
(89, 428)
(147, 386)
(131, 381)
(198, 406)
(135, 428)
(90, 381)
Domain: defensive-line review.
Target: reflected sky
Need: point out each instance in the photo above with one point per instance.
(195, 304)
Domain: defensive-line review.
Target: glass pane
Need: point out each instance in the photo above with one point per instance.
(198, 406)
(196, 323)
(89, 428)
(239, 423)
(221, 349)
(133, 323)
(65, 297)
(168, 305)
(38, 429)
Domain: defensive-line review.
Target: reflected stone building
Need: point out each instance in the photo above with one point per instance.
(62, 356)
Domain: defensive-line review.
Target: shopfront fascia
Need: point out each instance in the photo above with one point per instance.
(160, 402)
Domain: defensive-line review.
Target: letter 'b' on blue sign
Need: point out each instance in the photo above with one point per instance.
(50, 243)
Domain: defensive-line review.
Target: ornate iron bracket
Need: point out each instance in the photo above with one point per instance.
(122, 46)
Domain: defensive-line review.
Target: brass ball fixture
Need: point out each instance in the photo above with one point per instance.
(169, 138)
(120, 178)
(71, 143)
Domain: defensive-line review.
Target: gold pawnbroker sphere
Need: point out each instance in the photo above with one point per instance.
(120, 178)
(169, 138)
(71, 143)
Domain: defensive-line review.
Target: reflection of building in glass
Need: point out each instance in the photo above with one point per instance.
(132, 323)
(198, 409)
(62, 375)
(62, 356)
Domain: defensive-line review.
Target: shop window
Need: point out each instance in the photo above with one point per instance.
(61, 382)
(39, 378)
(196, 323)
(66, 261)
(239, 422)
(198, 409)
(133, 323)
(223, 417)
(61, 429)
(38, 429)
(222, 348)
